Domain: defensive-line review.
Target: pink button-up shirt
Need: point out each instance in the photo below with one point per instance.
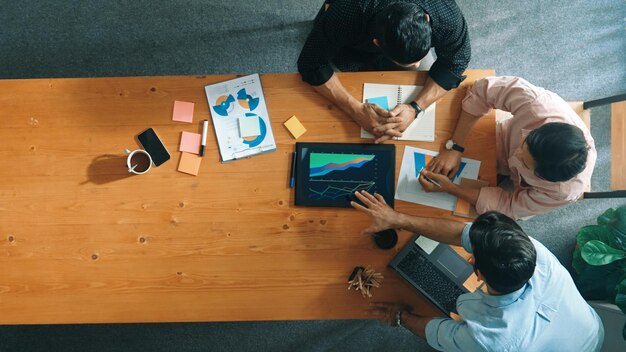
(531, 108)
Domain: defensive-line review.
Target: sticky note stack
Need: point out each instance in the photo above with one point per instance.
(190, 147)
(295, 127)
(190, 142)
(249, 126)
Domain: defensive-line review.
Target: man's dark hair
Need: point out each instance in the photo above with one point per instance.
(403, 33)
(503, 253)
(559, 150)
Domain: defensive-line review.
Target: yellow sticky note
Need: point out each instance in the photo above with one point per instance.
(189, 163)
(295, 127)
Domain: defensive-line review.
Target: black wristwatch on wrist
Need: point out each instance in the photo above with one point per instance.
(450, 145)
(417, 108)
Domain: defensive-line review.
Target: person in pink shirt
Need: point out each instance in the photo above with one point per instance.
(545, 150)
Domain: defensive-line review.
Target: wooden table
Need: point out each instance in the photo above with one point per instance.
(618, 146)
(84, 242)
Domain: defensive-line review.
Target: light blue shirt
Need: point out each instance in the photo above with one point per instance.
(547, 314)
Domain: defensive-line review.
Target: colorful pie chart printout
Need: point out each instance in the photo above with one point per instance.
(256, 140)
(246, 101)
(230, 101)
(224, 105)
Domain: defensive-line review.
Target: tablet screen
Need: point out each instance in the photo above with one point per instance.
(328, 174)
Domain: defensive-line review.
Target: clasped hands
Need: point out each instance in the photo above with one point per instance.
(383, 124)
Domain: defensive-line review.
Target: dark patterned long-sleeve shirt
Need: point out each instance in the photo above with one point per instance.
(350, 24)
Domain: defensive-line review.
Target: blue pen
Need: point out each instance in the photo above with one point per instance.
(292, 179)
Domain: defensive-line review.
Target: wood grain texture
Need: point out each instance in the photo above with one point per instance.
(618, 146)
(585, 116)
(81, 241)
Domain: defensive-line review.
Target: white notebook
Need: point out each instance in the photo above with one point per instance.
(422, 129)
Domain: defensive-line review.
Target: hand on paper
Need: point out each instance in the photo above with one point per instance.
(387, 311)
(446, 163)
(383, 217)
(432, 182)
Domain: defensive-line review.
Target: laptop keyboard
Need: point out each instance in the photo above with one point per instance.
(427, 276)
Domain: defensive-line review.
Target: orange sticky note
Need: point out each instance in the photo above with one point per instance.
(472, 283)
(189, 163)
(190, 142)
(183, 111)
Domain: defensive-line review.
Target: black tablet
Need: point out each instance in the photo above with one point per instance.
(328, 174)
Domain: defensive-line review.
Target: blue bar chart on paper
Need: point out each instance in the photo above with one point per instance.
(422, 160)
(409, 188)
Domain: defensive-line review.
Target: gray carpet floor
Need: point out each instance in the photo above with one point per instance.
(574, 48)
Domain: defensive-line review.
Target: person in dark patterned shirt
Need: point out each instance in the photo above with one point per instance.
(366, 35)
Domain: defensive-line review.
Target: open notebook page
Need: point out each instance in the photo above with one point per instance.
(422, 129)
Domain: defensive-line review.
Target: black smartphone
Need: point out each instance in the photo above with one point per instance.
(153, 145)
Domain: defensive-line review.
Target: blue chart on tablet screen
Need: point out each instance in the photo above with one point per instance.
(334, 176)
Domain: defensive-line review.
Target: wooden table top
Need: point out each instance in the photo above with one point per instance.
(618, 146)
(84, 242)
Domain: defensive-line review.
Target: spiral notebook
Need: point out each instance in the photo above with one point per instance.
(390, 95)
(233, 102)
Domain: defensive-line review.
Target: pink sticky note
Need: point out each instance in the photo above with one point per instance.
(183, 111)
(190, 142)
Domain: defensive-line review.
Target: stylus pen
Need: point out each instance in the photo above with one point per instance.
(205, 126)
(430, 179)
(292, 178)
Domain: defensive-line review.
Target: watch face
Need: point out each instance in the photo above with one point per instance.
(449, 144)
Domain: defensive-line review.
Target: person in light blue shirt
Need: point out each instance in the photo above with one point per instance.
(531, 303)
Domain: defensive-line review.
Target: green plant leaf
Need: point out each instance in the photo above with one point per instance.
(578, 263)
(591, 283)
(619, 215)
(613, 279)
(606, 217)
(597, 252)
(620, 301)
(620, 297)
(595, 232)
(621, 286)
(618, 225)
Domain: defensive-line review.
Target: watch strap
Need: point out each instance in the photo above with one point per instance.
(417, 108)
(458, 148)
